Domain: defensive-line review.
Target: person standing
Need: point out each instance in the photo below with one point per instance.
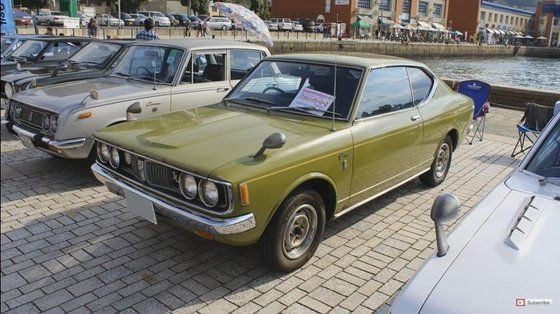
(92, 27)
(49, 31)
(148, 32)
(205, 28)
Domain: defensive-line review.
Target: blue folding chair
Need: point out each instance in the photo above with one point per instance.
(479, 92)
(531, 125)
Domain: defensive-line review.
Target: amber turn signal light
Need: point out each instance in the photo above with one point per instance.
(84, 115)
(244, 192)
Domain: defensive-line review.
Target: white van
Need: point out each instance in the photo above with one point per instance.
(284, 24)
(159, 18)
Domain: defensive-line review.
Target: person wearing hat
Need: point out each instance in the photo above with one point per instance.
(148, 32)
(49, 31)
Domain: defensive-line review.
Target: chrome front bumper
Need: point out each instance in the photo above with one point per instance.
(190, 219)
(58, 144)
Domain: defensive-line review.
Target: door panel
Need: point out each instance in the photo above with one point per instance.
(204, 82)
(387, 134)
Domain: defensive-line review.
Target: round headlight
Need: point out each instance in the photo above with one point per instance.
(209, 194)
(103, 152)
(54, 122)
(15, 110)
(115, 160)
(8, 89)
(46, 122)
(187, 184)
(127, 158)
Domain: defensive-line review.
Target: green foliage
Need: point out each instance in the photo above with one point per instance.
(198, 6)
(261, 8)
(131, 6)
(34, 4)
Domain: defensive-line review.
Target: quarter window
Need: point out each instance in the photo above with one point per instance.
(421, 84)
(207, 67)
(242, 62)
(386, 90)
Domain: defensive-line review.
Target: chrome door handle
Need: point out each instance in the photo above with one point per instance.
(415, 118)
(224, 89)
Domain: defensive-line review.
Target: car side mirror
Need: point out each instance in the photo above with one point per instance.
(273, 141)
(61, 67)
(445, 208)
(133, 109)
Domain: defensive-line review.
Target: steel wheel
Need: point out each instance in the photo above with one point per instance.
(442, 160)
(299, 231)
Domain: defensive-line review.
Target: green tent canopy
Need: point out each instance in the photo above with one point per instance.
(360, 23)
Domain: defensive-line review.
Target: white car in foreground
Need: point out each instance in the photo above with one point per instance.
(504, 255)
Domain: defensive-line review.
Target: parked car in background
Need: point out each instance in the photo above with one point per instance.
(202, 17)
(271, 25)
(150, 78)
(309, 26)
(84, 19)
(138, 19)
(159, 18)
(284, 24)
(46, 52)
(326, 147)
(195, 21)
(172, 20)
(22, 18)
(219, 23)
(505, 244)
(109, 20)
(126, 18)
(297, 27)
(51, 18)
(182, 18)
(87, 63)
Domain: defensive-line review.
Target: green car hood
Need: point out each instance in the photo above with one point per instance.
(204, 139)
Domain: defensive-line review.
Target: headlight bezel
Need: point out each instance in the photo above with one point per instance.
(114, 157)
(102, 148)
(46, 122)
(203, 188)
(8, 86)
(190, 195)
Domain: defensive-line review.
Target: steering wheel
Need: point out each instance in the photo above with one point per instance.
(145, 69)
(274, 88)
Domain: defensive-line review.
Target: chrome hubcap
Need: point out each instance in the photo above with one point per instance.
(299, 231)
(442, 159)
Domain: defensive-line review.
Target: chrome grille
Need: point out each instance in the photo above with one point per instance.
(159, 175)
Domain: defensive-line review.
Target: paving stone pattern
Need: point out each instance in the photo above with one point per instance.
(68, 245)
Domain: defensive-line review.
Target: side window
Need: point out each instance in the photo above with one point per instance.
(242, 62)
(386, 90)
(205, 67)
(60, 51)
(421, 84)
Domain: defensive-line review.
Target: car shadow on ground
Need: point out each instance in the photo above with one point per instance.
(498, 159)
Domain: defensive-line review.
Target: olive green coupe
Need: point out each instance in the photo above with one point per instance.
(302, 139)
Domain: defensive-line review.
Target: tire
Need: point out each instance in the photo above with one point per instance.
(302, 213)
(440, 166)
(224, 28)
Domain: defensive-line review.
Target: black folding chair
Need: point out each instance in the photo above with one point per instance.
(531, 125)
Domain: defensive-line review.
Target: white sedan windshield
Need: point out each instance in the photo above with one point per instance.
(149, 63)
(95, 54)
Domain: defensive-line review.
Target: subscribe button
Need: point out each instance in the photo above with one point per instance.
(533, 302)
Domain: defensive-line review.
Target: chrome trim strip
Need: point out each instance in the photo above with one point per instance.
(23, 132)
(378, 194)
(65, 144)
(216, 226)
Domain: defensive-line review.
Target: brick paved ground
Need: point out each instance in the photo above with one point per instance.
(69, 246)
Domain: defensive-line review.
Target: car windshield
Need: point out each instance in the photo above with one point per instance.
(6, 42)
(94, 54)
(149, 63)
(546, 160)
(301, 88)
(158, 14)
(30, 49)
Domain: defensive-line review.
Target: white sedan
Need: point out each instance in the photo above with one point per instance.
(503, 257)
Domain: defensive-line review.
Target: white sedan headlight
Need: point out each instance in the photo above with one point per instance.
(54, 123)
(46, 122)
(8, 90)
(209, 194)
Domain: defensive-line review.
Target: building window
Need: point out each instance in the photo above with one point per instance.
(364, 4)
(483, 15)
(423, 7)
(437, 9)
(507, 19)
(489, 17)
(406, 6)
(501, 18)
(495, 17)
(385, 5)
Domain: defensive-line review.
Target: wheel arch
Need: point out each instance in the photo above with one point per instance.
(454, 135)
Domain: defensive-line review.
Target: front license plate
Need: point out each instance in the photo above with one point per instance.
(140, 206)
(27, 141)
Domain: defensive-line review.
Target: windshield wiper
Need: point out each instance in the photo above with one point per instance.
(147, 78)
(123, 74)
(259, 100)
(304, 109)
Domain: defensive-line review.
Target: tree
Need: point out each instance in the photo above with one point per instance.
(131, 5)
(260, 7)
(198, 6)
(35, 4)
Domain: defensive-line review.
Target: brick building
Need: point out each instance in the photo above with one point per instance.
(371, 11)
(547, 21)
(472, 16)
